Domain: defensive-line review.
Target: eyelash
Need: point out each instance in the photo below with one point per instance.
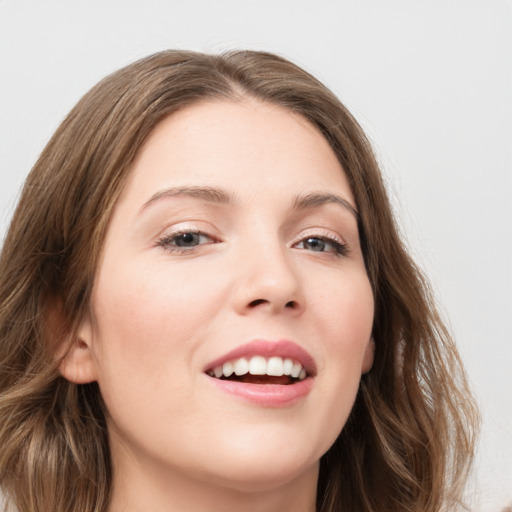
(168, 243)
(339, 248)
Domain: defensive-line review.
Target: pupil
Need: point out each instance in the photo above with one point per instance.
(315, 244)
(187, 239)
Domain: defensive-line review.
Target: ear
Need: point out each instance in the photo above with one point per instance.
(368, 357)
(76, 356)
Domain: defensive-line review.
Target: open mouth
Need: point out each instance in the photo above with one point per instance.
(260, 370)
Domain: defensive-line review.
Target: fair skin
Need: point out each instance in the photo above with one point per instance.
(235, 231)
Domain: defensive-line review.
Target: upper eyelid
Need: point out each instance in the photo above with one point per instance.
(327, 239)
(318, 232)
(174, 234)
(206, 228)
(167, 242)
(327, 235)
(311, 232)
(187, 227)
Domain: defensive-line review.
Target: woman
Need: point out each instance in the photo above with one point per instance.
(205, 305)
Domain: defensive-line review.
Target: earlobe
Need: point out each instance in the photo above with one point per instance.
(369, 356)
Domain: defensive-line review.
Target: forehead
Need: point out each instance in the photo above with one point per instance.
(247, 146)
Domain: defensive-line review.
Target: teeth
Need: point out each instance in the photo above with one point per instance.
(297, 367)
(227, 369)
(241, 366)
(259, 365)
(275, 367)
(287, 367)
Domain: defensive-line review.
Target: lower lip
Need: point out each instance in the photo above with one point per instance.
(266, 395)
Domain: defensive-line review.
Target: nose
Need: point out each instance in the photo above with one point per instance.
(267, 281)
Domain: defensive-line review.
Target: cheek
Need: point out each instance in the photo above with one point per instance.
(345, 309)
(343, 323)
(155, 306)
(149, 324)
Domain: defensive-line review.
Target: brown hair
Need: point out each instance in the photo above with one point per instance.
(409, 439)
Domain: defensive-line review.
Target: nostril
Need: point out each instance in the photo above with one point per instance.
(257, 302)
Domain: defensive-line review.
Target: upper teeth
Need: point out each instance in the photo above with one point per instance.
(258, 365)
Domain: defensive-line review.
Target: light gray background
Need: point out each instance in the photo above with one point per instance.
(430, 81)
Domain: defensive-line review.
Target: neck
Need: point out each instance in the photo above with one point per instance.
(139, 487)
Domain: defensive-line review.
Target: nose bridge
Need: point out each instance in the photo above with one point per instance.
(268, 278)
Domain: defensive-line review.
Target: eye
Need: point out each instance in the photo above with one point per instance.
(322, 244)
(184, 241)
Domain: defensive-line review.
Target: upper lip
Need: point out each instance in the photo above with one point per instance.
(266, 348)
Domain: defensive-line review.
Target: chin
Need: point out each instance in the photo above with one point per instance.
(264, 464)
(263, 476)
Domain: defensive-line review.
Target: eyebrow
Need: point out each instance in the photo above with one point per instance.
(221, 196)
(316, 199)
(210, 194)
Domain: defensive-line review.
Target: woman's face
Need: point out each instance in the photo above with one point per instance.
(233, 248)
